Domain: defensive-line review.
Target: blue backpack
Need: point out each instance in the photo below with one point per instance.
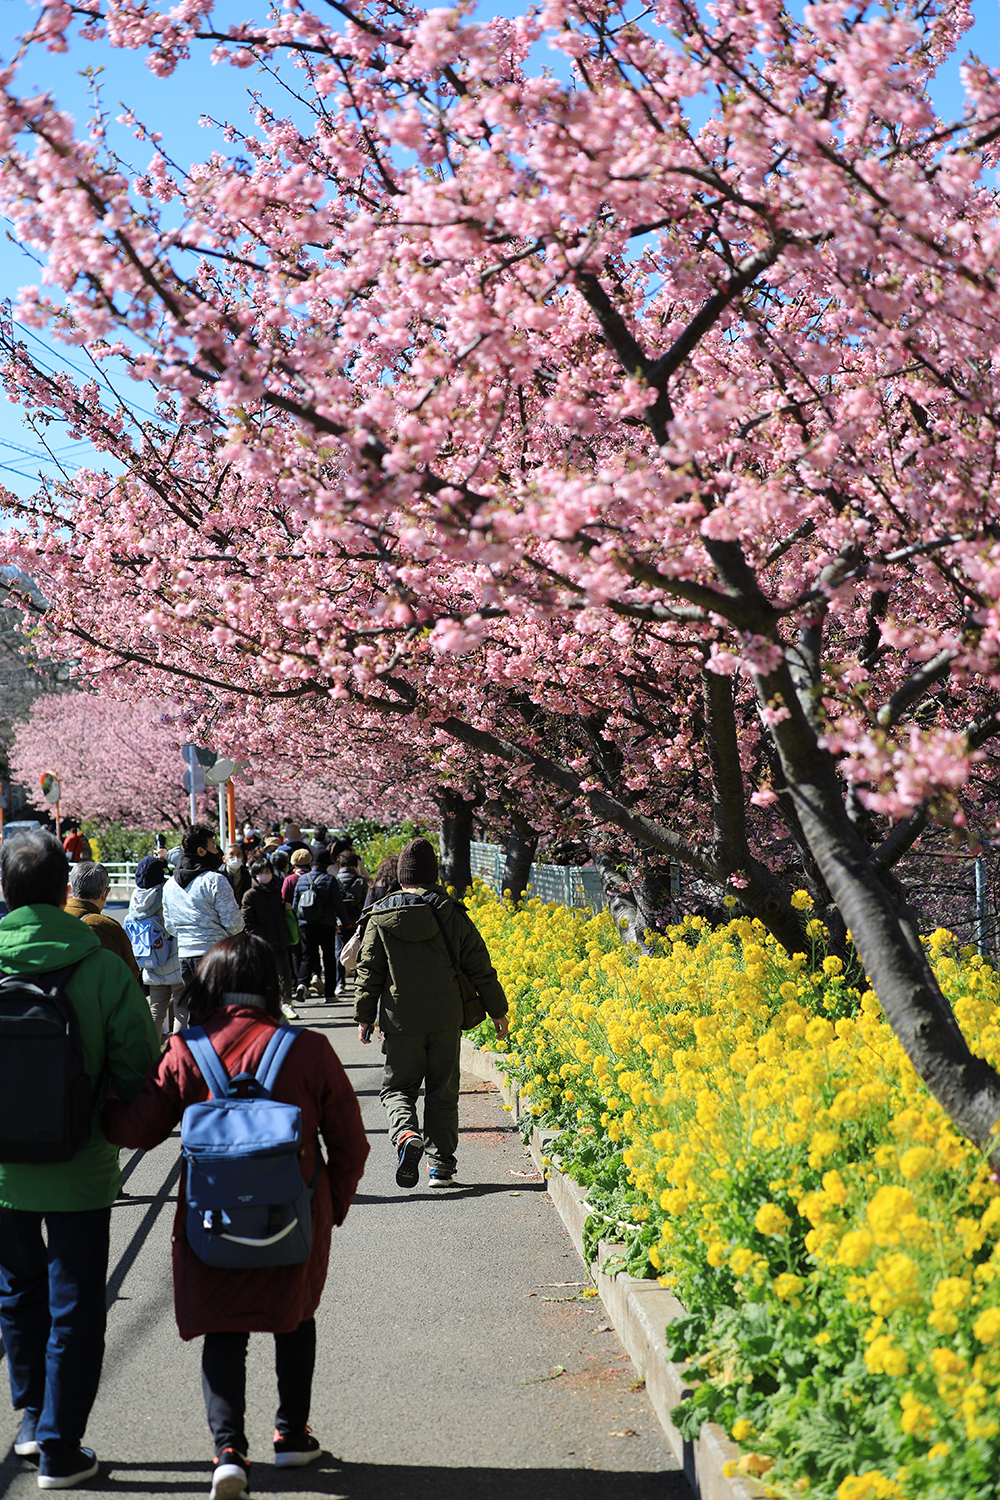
(150, 945)
(247, 1203)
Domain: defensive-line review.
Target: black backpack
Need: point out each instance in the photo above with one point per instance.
(312, 901)
(354, 891)
(46, 1096)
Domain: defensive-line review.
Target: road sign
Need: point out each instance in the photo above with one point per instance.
(51, 789)
(195, 775)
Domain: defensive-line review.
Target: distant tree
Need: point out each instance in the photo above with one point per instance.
(23, 677)
(116, 762)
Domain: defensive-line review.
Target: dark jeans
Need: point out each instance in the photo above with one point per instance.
(343, 938)
(224, 1382)
(52, 1316)
(317, 941)
(430, 1058)
(189, 967)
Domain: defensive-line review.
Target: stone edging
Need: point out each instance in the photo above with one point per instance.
(639, 1312)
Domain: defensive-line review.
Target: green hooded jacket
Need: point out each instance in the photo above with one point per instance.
(118, 1038)
(405, 976)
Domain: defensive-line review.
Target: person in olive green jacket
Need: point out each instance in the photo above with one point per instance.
(406, 979)
(52, 1296)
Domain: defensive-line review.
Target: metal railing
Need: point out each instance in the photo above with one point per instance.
(569, 885)
(122, 874)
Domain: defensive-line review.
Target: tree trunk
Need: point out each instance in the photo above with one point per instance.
(638, 897)
(964, 1085)
(522, 841)
(655, 903)
(617, 887)
(456, 836)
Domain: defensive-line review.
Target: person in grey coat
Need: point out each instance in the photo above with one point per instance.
(199, 908)
(164, 983)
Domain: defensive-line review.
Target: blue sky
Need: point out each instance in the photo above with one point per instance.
(174, 106)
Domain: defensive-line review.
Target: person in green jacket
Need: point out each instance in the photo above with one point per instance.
(52, 1296)
(407, 979)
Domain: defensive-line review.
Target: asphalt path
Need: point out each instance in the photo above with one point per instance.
(457, 1354)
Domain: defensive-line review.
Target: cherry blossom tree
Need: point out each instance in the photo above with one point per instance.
(653, 466)
(115, 762)
(120, 762)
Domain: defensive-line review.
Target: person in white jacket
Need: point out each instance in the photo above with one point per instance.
(164, 981)
(199, 908)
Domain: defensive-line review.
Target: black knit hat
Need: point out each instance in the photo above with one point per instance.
(151, 871)
(418, 863)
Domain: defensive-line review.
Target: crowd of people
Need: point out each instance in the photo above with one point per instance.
(304, 899)
(169, 1015)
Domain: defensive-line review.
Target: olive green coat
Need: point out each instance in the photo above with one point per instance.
(405, 978)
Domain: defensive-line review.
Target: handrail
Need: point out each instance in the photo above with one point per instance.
(569, 885)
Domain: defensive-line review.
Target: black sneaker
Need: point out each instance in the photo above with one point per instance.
(293, 1450)
(411, 1149)
(61, 1471)
(26, 1444)
(231, 1478)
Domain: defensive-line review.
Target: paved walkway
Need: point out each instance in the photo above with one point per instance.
(457, 1360)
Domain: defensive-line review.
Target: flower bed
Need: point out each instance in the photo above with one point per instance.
(751, 1130)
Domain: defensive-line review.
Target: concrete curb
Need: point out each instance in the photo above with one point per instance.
(639, 1312)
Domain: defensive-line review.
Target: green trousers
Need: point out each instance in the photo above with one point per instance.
(430, 1058)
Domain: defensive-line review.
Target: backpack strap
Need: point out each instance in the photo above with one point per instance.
(443, 932)
(274, 1055)
(54, 979)
(207, 1058)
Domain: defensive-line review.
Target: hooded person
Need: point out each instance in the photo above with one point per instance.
(414, 945)
(53, 1287)
(165, 982)
(199, 908)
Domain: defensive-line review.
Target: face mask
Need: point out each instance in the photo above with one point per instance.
(232, 865)
(263, 880)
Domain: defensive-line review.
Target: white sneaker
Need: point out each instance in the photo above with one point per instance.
(440, 1177)
(57, 1473)
(289, 1012)
(231, 1476)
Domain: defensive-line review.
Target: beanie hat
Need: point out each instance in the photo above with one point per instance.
(418, 863)
(150, 872)
(302, 859)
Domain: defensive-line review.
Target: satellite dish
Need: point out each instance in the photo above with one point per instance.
(220, 772)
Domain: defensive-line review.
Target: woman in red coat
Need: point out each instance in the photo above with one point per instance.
(235, 997)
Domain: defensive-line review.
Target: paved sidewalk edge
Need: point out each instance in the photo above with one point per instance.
(639, 1312)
